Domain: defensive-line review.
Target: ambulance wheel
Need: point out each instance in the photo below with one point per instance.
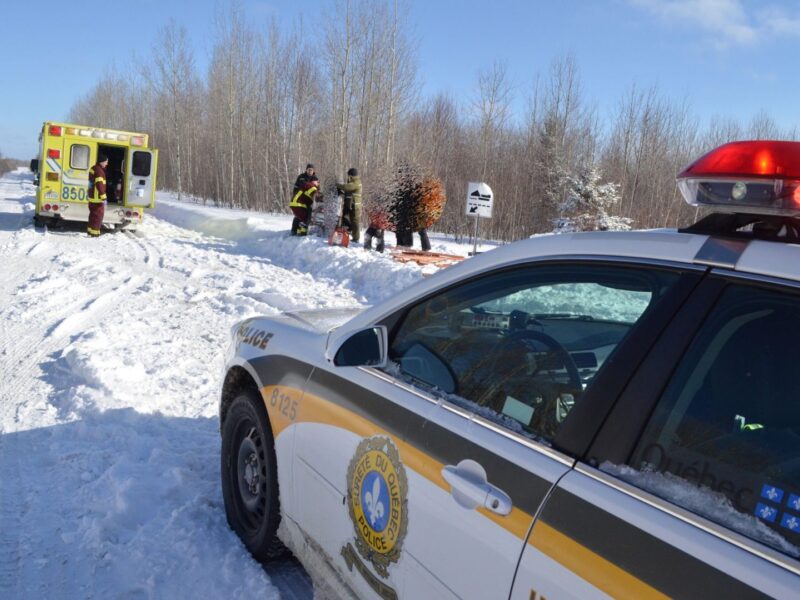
(40, 221)
(250, 476)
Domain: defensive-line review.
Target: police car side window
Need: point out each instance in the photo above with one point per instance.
(724, 439)
(520, 347)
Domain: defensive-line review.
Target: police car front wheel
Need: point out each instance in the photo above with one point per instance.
(249, 476)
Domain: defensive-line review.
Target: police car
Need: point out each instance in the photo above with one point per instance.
(570, 416)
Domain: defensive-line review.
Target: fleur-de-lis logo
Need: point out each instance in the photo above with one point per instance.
(792, 523)
(377, 503)
(772, 493)
(374, 505)
(766, 512)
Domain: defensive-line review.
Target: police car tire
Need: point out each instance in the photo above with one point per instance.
(257, 528)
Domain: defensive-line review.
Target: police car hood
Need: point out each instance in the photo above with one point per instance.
(323, 320)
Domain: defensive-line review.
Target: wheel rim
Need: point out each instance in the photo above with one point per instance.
(251, 476)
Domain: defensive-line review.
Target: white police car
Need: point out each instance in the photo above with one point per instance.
(587, 415)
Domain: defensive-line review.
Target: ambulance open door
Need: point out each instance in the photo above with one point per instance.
(141, 178)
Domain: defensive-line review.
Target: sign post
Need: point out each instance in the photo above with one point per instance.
(479, 205)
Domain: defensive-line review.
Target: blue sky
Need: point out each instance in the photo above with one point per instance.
(724, 57)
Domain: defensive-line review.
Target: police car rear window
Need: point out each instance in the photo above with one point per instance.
(729, 422)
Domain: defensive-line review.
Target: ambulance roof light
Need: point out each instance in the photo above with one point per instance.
(55, 130)
(761, 177)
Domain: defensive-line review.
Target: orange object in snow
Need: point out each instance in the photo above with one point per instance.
(339, 237)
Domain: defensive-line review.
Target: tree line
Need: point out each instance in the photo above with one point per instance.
(8, 164)
(344, 91)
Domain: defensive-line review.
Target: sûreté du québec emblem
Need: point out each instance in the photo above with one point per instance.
(378, 506)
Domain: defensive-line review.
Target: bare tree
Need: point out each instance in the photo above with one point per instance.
(346, 94)
(173, 79)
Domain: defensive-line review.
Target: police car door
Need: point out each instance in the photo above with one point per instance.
(449, 453)
(692, 487)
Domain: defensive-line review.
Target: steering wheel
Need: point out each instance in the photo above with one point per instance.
(556, 348)
(511, 377)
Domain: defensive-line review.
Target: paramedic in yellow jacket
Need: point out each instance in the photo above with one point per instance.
(97, 195)
(301, 203)
(351, 214)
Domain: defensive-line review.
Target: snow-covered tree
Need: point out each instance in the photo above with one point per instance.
(587, 203)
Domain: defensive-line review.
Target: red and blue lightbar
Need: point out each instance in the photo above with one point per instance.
(761, 177)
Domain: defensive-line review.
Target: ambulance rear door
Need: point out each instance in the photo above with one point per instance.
(140, 177)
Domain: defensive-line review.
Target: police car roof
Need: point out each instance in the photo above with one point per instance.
(774, 259)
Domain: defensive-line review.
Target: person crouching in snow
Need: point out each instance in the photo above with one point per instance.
(373, 231)
(301, 205)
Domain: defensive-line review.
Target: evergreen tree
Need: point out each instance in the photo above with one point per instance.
(587, 202)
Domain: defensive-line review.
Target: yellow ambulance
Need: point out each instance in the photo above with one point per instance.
(67, 152)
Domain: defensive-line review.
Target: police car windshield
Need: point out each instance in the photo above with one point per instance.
(570, 301)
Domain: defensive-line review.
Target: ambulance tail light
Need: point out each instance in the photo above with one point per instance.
(52, 177)
(761, 177)
(51, 153)
(55, 130)
(55, 207)
(47, 207)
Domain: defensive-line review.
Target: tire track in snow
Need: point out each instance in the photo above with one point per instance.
(24, 353)
(11, 507)
(179, 293)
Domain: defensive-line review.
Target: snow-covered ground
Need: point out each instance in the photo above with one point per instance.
(110, 364)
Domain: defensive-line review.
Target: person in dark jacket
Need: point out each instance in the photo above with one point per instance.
(306, 188)
(301, 206)
(309, 175)
(351, 213)
(97, 195)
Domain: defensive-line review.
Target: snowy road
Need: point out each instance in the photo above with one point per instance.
(110, 363)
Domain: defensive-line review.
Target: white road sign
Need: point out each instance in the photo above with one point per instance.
(479, 200)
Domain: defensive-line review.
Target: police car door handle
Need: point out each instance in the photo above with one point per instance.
(470, 489)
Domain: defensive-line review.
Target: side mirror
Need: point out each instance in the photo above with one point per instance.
(34, 165)
(365, 348)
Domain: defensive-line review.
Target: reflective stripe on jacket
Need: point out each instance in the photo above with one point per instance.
(97, 184)
(303, 198)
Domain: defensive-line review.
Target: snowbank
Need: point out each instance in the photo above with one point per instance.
(372, 276)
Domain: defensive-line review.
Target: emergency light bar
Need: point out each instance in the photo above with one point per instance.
(761, 177)
(136, 140)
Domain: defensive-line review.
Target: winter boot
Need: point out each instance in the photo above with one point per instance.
(423, 239)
